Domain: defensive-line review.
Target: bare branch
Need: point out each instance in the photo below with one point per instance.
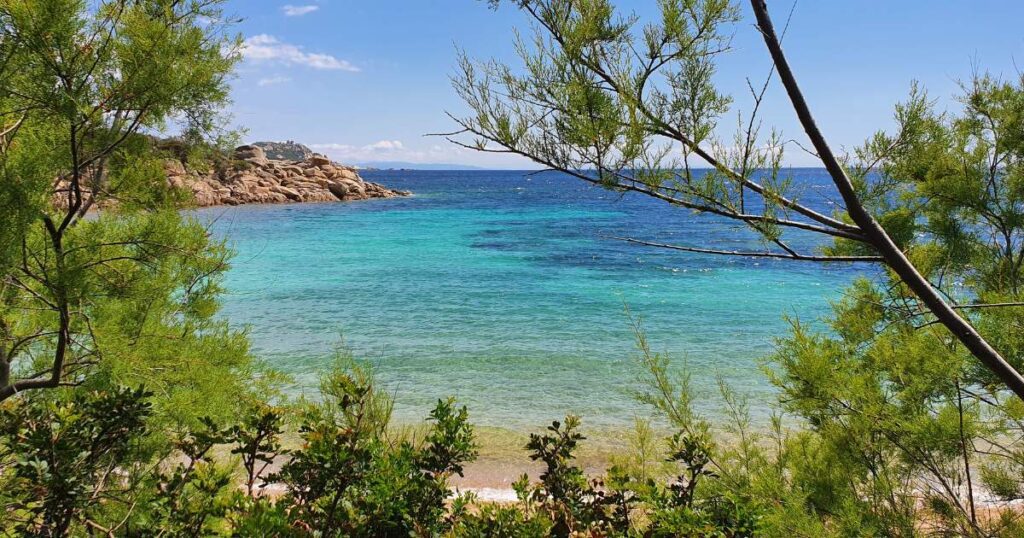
(756, 254)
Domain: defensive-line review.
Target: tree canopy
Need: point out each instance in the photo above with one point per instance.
(98, 269)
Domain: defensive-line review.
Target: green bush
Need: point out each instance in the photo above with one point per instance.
(77, 462)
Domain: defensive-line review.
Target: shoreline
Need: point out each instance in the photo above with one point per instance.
(503, 458)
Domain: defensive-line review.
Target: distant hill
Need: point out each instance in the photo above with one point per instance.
(402, 165)
(285, 151)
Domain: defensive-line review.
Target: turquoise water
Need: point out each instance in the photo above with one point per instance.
(505, 291)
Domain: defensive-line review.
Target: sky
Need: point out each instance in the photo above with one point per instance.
(365, 80)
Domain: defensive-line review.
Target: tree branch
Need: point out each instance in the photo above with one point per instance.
(756, 254)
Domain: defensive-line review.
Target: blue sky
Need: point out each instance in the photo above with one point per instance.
(364, 80)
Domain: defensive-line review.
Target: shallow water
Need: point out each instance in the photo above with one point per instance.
(505, 290)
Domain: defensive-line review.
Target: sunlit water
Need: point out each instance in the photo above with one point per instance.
(508, 292)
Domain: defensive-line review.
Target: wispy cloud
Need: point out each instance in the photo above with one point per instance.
(270, 81)
(298, 11)
(263, 48)
(381, 147)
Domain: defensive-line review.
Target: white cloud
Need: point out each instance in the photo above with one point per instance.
(385, 145)
(267, 48)
(381, 147)
(298, 11)
(270, 81)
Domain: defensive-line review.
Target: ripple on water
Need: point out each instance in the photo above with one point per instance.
(506, 292)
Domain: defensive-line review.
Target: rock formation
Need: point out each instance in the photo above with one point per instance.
(252, 178)
(285, 151)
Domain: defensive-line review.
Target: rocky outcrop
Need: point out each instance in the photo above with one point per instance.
(253, 178)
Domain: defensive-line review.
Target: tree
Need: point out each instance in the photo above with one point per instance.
(613, 105)
(891, 397)
(82, 85)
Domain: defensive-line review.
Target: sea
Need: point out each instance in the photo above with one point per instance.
(513, 292)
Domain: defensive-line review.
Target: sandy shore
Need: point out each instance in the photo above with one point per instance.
(503, 459)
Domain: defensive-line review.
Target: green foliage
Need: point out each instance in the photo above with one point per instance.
(566, 503)
(57, 456)
(126, 296)
(191, 496)
(897, 408)
(103, 283)
(352, 478)
(497, 521)
(257, 441)
(892, 399)
(79, 462)
(569, 499)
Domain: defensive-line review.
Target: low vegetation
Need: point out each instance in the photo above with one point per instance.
(85, 462)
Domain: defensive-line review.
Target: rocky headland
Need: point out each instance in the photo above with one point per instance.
(250, 177)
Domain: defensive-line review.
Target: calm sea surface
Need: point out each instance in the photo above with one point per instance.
(506, 291)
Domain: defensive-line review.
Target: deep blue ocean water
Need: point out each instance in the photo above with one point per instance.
(505, 290)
